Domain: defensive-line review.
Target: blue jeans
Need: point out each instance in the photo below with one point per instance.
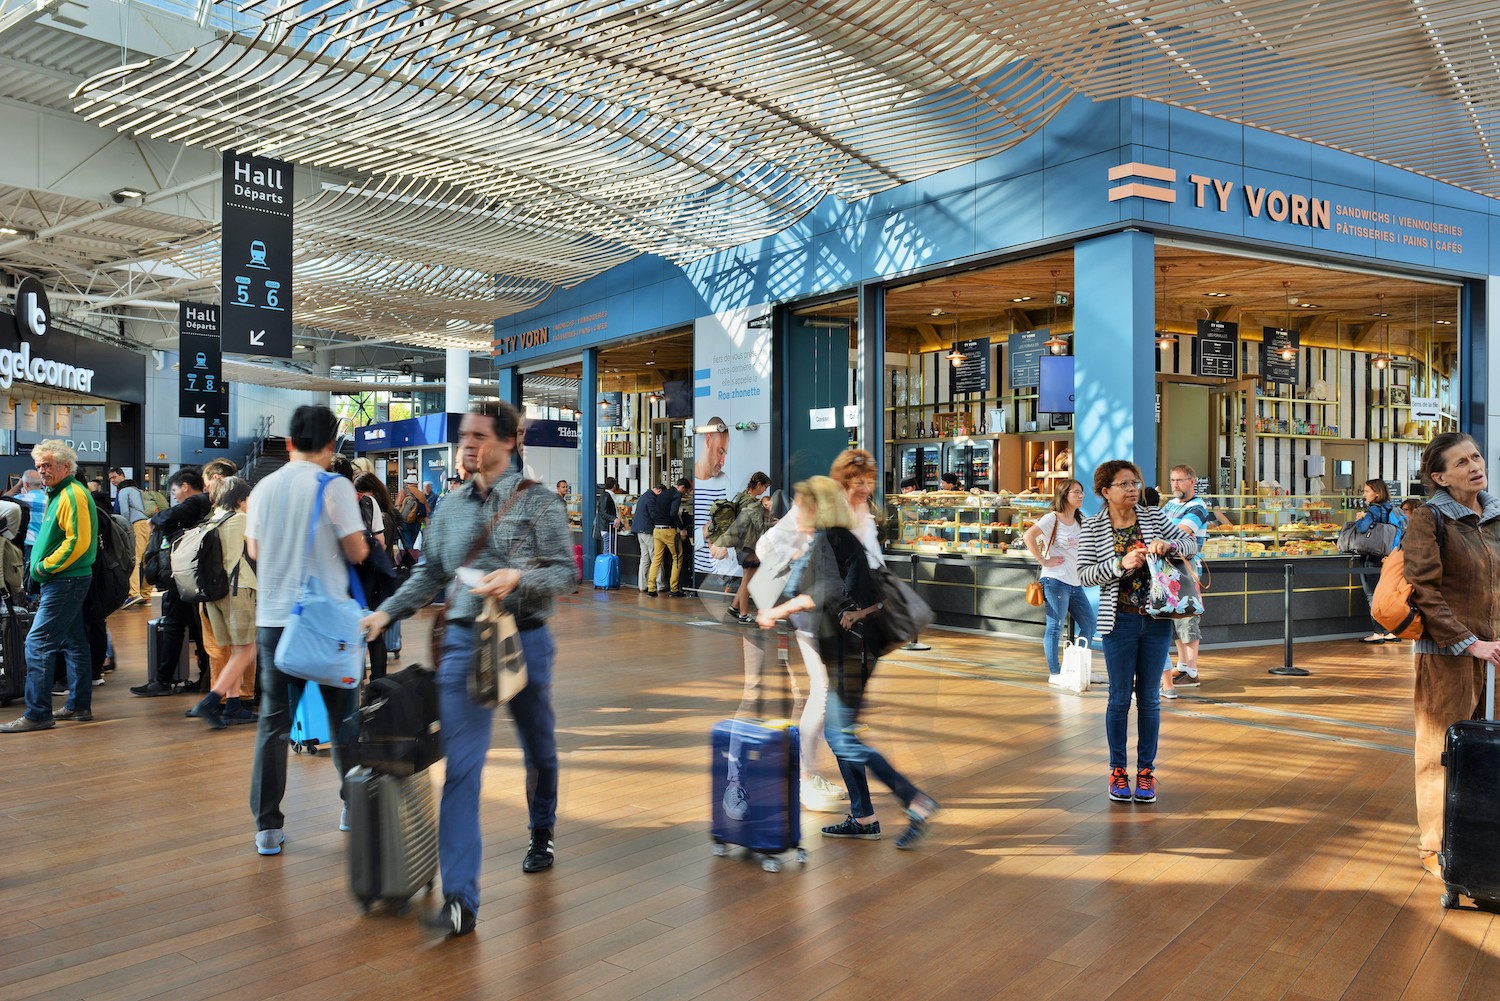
(279, 695)
(854, 757)
(466, 743)
(1064, 599)
(1133, 654)
(58, 626)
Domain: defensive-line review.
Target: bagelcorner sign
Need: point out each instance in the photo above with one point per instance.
(1291, 208)
(33, 318)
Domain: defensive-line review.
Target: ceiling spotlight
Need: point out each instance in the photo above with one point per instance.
(9, 230)
(1055, 344)
(1448, 323)
(1217, 295)
(122, 195)
(1380, 314)
(938, 312)
(1021, 298)
(1311, 305)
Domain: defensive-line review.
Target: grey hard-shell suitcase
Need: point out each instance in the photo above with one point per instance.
(393, 844)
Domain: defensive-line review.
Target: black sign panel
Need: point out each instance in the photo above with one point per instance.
(1216, 352)
(1280, 355)
(1026, 352)
(611, 409)
(256, 255)
(971, 374)
(216, 432)
(200, 372)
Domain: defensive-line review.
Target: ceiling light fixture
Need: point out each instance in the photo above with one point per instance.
(1217, 295)
(1383, 360)
(1164, 338)
(1055, 344)
(123, 195)
(1021, 298)
(9, 230)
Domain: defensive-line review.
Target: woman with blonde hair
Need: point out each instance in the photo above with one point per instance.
(831, 594)
(1062, 527)
(232, 617)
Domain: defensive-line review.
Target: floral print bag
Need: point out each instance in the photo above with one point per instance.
(1175, 593)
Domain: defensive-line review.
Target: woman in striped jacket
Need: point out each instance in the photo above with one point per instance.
(1112, 557)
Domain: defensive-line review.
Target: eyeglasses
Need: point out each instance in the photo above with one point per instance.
(1127, 484)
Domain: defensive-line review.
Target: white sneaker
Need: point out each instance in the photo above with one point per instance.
(1056, 679)
(1169, 693)
(269, 842)
(736, 802)
(819, 802)
(827, 788)
(344, 819)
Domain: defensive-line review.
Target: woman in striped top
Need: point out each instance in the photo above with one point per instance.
(1112, 557)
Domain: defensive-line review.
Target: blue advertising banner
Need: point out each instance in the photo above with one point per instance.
(551, 434)
(429, 429)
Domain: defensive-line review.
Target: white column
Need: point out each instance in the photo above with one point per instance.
(456, 399)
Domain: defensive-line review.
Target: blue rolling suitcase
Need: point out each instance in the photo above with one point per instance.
(310, 721)
(756, 801)
(607, 566)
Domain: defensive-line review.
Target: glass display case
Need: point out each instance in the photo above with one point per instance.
(1277, 525)
(974, 523)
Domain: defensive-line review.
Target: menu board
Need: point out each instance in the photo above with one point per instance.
(972, 373)
(1026, 350)
(1275, 347)
(1216, 351)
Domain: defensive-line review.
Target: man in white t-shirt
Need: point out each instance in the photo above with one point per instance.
(280, 511)
(1187, 511)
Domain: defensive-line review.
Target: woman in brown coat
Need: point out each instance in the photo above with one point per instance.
(1454, 587)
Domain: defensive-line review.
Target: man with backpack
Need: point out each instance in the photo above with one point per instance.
(412, 507)
(190, 505)
(62, 566)
(130, 504)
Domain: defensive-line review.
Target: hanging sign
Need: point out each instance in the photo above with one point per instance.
(823, 418)
(971, 374)
(200, 374)
(1280, 355)
(1426, 408)
(1216, 350)
(216, 432)
(256, 256)
(851, 416)
(1026, 350)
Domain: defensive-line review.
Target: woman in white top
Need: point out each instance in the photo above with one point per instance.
(1062, 529)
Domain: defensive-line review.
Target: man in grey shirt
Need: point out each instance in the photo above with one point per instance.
(132, 507)
(498, 537)
(280, 511)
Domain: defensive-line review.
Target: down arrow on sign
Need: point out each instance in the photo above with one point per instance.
(198, 409)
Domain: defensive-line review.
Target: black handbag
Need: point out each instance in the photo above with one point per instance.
(903, 615)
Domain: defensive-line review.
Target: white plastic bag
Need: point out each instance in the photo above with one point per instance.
(1077, 665)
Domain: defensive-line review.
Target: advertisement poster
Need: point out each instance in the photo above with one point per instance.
(731, 395)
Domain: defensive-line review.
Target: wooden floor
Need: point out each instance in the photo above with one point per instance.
(1280, 862)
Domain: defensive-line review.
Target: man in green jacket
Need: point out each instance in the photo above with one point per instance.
(62, 564)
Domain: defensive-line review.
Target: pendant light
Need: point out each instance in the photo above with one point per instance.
(1383, 360)
(1164, 338)
(1054, 343)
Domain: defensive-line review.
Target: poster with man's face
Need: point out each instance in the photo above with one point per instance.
(732, 390)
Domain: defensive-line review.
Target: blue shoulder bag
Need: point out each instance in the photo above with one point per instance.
(322, 640)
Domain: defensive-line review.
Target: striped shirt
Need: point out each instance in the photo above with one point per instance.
(1098, 566)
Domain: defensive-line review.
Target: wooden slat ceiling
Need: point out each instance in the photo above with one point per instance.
(637, 367)
(1331, 307)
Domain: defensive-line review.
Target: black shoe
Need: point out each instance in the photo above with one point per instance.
(151, 688)
(650, 594)
(539, 856)
(678, 594)
(453, 917)
(211, 711)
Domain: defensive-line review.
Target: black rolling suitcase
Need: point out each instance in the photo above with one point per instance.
(154, 631)
(14, 624)
(393, 843)
(1470, 857)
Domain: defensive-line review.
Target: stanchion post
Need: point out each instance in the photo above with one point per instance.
(1287, 668)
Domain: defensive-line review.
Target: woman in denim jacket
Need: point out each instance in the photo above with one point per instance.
(1378, 511)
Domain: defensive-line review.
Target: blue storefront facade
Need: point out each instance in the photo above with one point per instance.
(1113, 184)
